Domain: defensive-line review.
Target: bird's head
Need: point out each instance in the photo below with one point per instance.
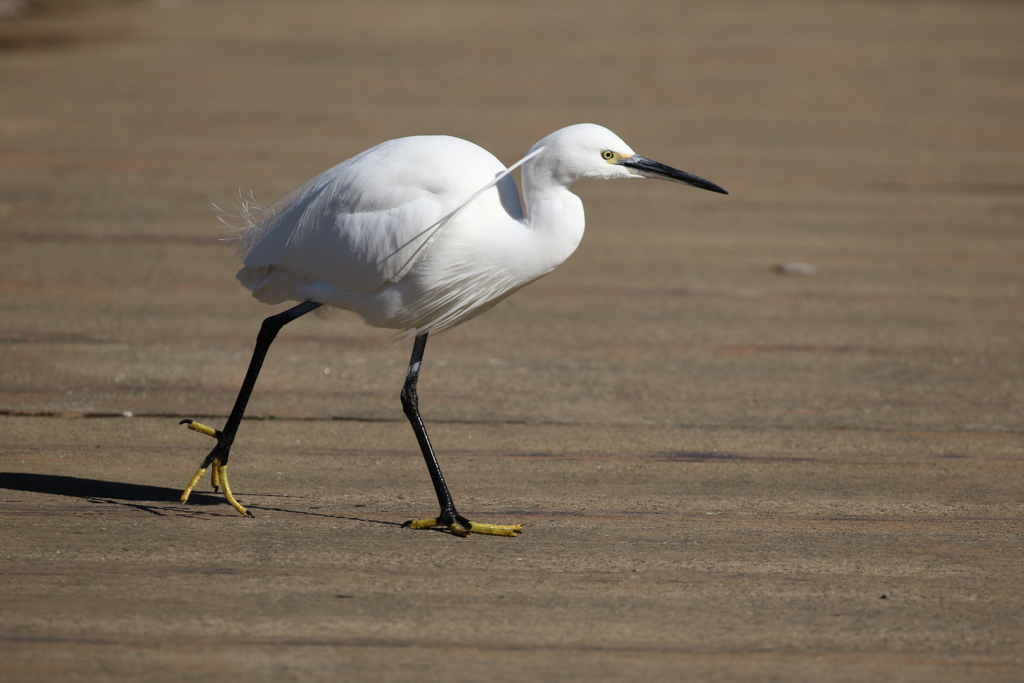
(589, 151)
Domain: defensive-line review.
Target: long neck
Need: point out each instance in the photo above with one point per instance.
(554, 215)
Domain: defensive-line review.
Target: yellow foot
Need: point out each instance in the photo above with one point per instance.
(464, 527)
(219, 476)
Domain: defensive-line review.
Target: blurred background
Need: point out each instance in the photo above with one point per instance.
(769, 435)
(879, 143)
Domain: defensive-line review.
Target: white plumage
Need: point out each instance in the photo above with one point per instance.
(359, 235)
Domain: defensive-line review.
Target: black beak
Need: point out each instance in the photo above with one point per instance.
(652, 169)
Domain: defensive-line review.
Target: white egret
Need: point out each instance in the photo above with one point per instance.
(420, 234)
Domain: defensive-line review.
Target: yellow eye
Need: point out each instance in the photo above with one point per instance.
(607, 155)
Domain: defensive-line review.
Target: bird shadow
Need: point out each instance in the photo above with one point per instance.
(100, 491)
(137, 496)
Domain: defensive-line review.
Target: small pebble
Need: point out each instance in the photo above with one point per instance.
(796, 268)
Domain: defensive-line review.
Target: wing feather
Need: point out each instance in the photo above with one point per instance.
(363, 223)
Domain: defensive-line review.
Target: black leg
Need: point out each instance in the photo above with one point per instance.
(410, 404)
(226, 437)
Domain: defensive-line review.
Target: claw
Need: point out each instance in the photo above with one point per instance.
(192, 484)
(219, 476)
(421, 523)
(221, 472)
(496, 529)
(201, 428)
(460, 528)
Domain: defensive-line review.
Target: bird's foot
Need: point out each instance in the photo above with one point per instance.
(219, 476)
(460, 526)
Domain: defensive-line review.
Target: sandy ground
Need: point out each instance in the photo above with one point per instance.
(725, 473)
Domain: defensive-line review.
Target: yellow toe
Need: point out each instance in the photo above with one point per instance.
(192, 484)
(220, 478)
(474, 527)
(220, 473)
(422, 523)
(496, 529)
(201, 428)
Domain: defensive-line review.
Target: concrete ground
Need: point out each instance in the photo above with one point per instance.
(726, 472)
